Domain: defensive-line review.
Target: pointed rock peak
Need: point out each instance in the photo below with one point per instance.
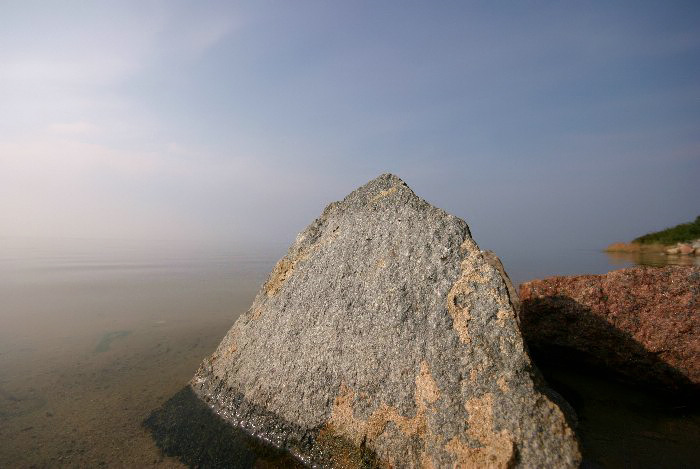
(381, 187)
(386, 178)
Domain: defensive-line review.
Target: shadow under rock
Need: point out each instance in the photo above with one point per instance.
(561, 329)
(633, 409)
(186, 428)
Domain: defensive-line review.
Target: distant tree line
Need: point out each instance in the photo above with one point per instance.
(677, 234)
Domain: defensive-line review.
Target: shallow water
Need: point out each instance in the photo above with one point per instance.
(95, 335)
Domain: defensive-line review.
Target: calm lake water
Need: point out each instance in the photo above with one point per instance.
(94, 335)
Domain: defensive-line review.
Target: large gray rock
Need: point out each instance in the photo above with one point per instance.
(384, 337)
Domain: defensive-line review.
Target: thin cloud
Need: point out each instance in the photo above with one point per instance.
(196, 37)
(73, 128)
(243, 120)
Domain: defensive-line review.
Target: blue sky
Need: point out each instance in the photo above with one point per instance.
(540, 123)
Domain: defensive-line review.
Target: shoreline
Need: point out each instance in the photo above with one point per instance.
(684, 248)
(637, 247)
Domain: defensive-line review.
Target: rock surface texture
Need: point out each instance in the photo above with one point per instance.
(641, 322)
(384, 338)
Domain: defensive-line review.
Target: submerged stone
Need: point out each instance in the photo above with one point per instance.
(385, 337)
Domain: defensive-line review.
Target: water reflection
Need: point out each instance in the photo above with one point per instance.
(656, 259)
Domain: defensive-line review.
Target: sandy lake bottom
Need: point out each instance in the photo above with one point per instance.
(95, 335)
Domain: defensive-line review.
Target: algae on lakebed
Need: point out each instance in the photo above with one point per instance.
(14, 405)
(107, 339)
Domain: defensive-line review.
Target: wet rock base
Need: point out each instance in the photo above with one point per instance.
(186, 428)
(619, 425)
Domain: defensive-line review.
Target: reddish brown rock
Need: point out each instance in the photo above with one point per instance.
(685, 249)
(642, 323)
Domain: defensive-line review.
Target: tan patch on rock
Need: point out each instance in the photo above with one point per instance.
(384, 194)
(476, 371)
(459, 297)
(223, 354)
(502, 384)
(497, 448)
(559, 422)
(503, 345)
(344, 422)
(478, 458)
(228, 345)
(425, 461)
(426, 388)
(502, 316)
(342, 453)
(495, 262)
(461, 324)
(459, 313)
(285, 266)
(255, 314)
(459, 293)
(282, 271)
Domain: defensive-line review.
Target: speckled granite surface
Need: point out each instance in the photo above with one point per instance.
(385, 329)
